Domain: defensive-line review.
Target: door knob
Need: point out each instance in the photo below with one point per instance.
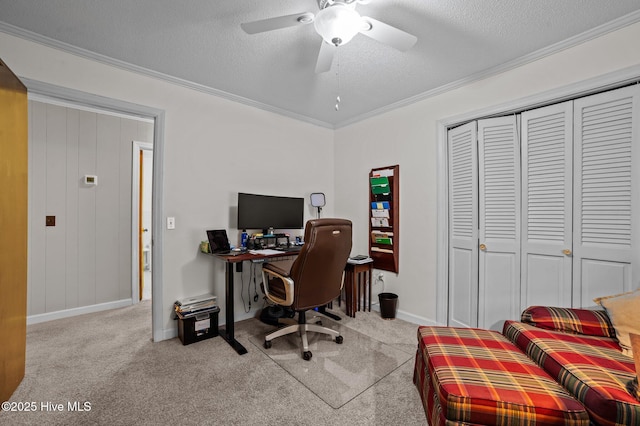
(483, 247)
(567, 252)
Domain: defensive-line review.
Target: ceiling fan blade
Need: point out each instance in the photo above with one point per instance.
(325, 57)
(277, 23)
(385, 33)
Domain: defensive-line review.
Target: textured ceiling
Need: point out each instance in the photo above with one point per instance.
(201, 42)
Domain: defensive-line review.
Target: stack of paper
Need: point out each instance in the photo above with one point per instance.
(359, 259)
(191, 306)
(380, 214)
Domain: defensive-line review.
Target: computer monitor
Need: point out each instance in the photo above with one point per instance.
(267, 211)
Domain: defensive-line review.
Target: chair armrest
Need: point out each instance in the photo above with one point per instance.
(569, 320)
(287, 283)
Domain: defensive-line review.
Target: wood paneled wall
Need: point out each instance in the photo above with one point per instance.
(85, 259)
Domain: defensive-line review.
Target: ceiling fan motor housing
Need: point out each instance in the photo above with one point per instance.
(326, 3)
(338, 23)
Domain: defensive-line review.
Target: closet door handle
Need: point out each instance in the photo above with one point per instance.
(567, 252)
(483, 247)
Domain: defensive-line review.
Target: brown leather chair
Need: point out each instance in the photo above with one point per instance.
(313, 279)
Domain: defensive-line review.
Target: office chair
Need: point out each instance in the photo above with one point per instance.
(312, 279)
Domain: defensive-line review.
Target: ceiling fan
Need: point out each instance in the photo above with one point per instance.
(337, 23)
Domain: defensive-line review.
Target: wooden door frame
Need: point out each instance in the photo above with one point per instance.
(136, 207)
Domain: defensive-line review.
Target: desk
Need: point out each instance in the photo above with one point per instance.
(227, 331)
(355, 285)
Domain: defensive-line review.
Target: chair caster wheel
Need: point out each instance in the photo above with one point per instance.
(267, 344)
(339, 340)
(306, 355)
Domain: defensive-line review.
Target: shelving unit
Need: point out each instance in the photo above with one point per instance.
(384, 217)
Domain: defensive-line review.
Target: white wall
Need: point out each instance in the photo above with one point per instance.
(408, 137)
(213, 149)
(260, 149)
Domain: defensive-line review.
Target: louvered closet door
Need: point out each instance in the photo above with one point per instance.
(463, 226)
(607, 210)
(547, 187)
(499, 222)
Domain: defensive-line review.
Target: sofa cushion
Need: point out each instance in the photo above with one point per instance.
(635, 344)
(624, 313)
(592, 368)
(471, 376)
(569, 320)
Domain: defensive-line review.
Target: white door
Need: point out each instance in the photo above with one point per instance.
(463, 226)
(499, 222)
(547, 188)
(606, 193)
(551, 224)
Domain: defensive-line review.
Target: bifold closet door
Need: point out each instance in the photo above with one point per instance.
(606, 245)
(499, 222)
(547, 188)
(463, 226)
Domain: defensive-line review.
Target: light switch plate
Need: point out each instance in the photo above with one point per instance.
(171, 223)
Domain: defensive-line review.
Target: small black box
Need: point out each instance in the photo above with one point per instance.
(200, 327)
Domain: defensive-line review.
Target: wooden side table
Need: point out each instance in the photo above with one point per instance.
(356, 277)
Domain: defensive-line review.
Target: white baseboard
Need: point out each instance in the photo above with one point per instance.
(168, 334)
(50, 316)
(406, 316)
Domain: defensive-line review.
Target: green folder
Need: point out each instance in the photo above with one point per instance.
(381, 180)
(380, 185)
(383, 241)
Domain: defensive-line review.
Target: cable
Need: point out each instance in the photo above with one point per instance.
(244, 304)
(255, 287)
(249, 292)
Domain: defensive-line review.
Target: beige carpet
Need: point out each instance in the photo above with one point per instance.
(108, 360)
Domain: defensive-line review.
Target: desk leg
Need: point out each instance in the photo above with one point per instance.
(348, 292)
(370, 273)
(323, 311)
(358, 289)
(227, 331)
(354, 293)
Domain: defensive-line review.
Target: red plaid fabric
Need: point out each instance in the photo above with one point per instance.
(592, 368)
(471, 376)
(569, 320)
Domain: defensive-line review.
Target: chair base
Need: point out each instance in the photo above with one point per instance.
(301, 327)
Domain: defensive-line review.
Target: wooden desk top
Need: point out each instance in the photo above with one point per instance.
(237, 258)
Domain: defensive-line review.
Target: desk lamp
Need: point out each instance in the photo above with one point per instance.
(318, 200)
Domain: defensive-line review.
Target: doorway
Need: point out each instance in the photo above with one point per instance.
(142, 213)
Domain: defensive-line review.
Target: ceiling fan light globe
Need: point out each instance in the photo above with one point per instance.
(337, 24)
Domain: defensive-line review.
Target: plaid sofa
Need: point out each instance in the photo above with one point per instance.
(478, 377)
(577, 347)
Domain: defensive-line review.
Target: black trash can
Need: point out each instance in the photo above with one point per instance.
(388, 305)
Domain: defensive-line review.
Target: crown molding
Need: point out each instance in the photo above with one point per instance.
(576, 40)
(107, 60)
(598, 31)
